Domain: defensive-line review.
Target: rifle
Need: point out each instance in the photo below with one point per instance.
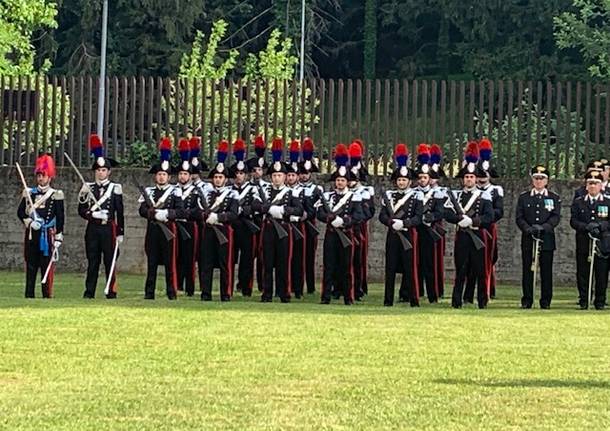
(28, 197)
(168, 234)
(281, 232)
(253, 227)
(343, 238)
(222, 238)
(80, 176)
(406, 245)
(478, 243)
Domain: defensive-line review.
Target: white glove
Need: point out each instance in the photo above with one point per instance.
(100, 215)
(295, 219)
(397, 224)
(337, 222)
(212, 219)
(465, 222)
(161, 215)
(35, 225)
(120, 239)
(56, 244)
(276, 211)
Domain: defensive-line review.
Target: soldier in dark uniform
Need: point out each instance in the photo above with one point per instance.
(218, 212)
(257, 166)
(538, 213)
(401, 212)
(593, 165)
(161, 205)
(486, 172)
(339, 209)
(473, 213)
(245, 227)
(311, 192)
(101, 204)
(427, 233)
(360, 228)
(277, 204)
(589, 217)
(42, 212)
(297, 264)
(440, 196)
(188, 227)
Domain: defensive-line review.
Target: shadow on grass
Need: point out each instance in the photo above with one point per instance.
(529, 383)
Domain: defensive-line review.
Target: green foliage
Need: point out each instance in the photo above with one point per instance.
(587, 30)
(19, 20)
(275, 64)
(199, 64)
(276, 61)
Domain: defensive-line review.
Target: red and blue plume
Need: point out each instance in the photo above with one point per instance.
(401, 154)
(165, 149)
(341, 155)
(277, 148)
(294, 151)
(307, 149)
(195, 146)
(259, 146)
(223, 149)
(423, 154)
(239, 150)
(184, 149)
(471, 155)
(95, 146)
(355, 153)
(435, 154)
(485, 149)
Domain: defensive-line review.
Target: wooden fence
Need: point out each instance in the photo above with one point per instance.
(561, 124)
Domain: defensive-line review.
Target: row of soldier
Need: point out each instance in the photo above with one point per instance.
(194, 226)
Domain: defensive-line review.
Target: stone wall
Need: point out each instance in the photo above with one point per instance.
(133, 259)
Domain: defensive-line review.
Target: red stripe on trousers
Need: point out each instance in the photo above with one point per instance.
(195, 248)
(173, 260)
(289, 271)
(415, 261)
(230, 261)
(113, 283)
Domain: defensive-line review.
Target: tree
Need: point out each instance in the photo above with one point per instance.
(587, 30)
(19, 20)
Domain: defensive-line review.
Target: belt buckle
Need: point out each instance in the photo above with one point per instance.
(104, 222)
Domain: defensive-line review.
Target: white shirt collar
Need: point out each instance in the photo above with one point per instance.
(544, 192)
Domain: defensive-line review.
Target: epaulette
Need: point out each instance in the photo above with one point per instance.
(58, 195)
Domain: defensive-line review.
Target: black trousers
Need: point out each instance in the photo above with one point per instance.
(469, 262)
(276, 257)
(600, 273)
(427, 273)
(297, 264)
(244, 248)
(159, 251)
(311, 246)
(545, 259)
(35, 262)
(338, 272)
(187, 257)
(440, 265)
(100, 240)
(219, 256)
(399, 260)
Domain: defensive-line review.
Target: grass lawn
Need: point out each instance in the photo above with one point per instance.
(71, 364)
